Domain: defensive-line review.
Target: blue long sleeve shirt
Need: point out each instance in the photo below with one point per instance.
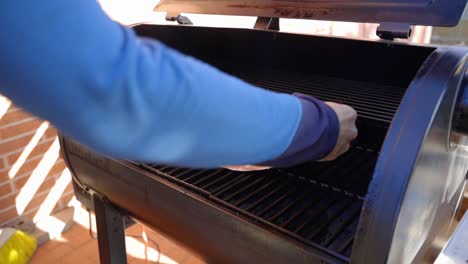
(138, 99)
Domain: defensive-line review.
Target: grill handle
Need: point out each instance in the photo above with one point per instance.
(460, 120)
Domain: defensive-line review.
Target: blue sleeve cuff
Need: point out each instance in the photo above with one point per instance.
(316, 135)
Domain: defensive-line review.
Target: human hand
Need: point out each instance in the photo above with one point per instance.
(246, 168)
(348, 132)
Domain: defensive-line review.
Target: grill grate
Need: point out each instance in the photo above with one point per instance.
(316, 203)
(372, 101)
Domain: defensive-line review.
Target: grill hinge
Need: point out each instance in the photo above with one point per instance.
(183, 20)
(391, 31)
(270, 23)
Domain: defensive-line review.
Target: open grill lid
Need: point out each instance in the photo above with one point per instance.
(412, 12)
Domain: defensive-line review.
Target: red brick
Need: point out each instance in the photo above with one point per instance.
(59, 205)
(30, 165)
(13, 108)
(3, 181)
(4, 176)
(5, 189)
(66, 198)
(47, 184)
(26, 167)
(8, 215)
(31, 213)
(35, 203)
(15, 116)
(58, 167)
(7, 201)
(39, 149)
(68, 189)
(19, 129)
(50, 132)
(16, 144)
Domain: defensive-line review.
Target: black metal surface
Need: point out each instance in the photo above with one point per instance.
(308, 211)
(270, 23)
(317, 203)
(201, 225)
(391, 31)
(110, 232)
(371, 100)
(409, 202)
(280, 199)
(386, 64)
(460, 123)
(302, 215)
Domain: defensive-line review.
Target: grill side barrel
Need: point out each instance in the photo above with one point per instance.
(214, 234)
(420, 176)
(460, 125)
(191, 208)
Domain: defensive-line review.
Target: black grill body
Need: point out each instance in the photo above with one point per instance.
(403, 173)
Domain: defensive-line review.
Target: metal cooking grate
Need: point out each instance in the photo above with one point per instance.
(296, 201)
(316, 203)
(350, 173)
(372, 101)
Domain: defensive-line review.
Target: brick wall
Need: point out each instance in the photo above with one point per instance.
(34, 181)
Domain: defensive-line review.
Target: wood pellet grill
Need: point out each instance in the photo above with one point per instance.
(390, 199)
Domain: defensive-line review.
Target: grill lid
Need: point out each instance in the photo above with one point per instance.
(412, 12)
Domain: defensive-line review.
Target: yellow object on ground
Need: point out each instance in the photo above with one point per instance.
(16, 247)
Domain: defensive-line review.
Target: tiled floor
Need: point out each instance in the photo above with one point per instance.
(76, 246)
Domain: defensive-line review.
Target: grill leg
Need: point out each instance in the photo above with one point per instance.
(110, 232)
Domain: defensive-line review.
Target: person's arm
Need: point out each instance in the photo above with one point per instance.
(126, 97)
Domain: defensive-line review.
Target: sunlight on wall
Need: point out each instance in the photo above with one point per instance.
(135, 248)
(28, 149)
(4, 105)
(81, 217)
(54, 195)
(37, 177)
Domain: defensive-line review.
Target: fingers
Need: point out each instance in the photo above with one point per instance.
(246, 168)
(353, 133)
(347, 117)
